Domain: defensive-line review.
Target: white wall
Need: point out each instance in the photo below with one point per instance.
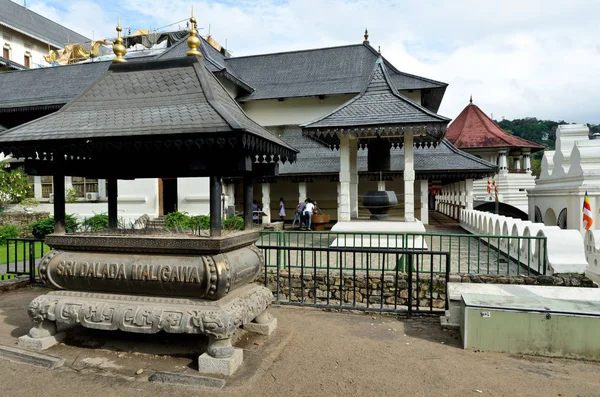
(193, 195)
(21, 43)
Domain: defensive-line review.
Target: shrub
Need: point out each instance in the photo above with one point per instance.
(199, 222)
(71, 195)
(96, 223)
(177, 220)
(8, 231)
(235, 223)
(46, 226)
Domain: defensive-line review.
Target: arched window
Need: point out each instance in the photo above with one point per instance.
(562, 219)
(538, 215)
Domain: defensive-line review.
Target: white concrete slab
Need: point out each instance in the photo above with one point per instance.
(379, 227)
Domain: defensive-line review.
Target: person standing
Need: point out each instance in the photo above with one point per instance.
(282, 211)
(298, 214)
(308, 212)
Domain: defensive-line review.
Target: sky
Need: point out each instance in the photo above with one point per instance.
(524, 58)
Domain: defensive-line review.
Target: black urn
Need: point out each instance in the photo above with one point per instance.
(379, 203)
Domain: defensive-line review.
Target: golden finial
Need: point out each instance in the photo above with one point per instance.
(366, 37)
(118, 47)
(193, 41)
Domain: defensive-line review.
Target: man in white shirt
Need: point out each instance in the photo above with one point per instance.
(308, 212)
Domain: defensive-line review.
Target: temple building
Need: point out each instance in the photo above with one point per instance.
(296, 96)
(475, 133)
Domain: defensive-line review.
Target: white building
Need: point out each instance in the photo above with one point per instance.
(26, 36)
(474, 132)
(567, 174)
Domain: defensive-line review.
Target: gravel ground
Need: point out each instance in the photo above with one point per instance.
(312, 353)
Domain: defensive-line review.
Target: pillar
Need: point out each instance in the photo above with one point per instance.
(113, 194)
(517, 163)
(302, 192)
(424, 188)
(58, 190)
(248, 197)
(266, 202)
(381, 185)
(353, 148)
(229, 190)
(502, 162)
(527, 162)
(462, 187)
(37, 187)
(409, 178)
(102, 188)
(344, 211)
(216, 213)
(469, 193)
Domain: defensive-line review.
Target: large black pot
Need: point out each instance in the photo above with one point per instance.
(379, 203)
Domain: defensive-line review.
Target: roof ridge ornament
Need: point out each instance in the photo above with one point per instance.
(471, 99)
(366, 41)
(193, 41)
(118, 47)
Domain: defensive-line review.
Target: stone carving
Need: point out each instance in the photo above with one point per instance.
(218, 319)
(208, 276)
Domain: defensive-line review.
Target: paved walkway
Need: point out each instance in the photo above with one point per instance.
(312, 353)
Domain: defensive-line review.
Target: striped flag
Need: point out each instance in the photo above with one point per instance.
(495, 185)
(489, 186)
(587, 212)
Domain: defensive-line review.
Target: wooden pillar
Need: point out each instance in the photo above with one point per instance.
(112, 203)
(248, 198)
(58, 180)
(216, 223)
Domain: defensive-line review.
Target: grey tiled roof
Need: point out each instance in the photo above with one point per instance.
(32, 24)
(53, 85)
(379, 104)
(11, 64)
(145, 99)
(322, 71)
(315, 158)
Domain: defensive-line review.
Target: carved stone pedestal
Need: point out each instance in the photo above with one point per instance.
(219, 320)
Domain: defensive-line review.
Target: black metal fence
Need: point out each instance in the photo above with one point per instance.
(21, 257)
(345, 278)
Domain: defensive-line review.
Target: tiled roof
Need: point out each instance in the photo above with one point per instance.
(379, 104)
(474, 129)
(315, 158)
(24, 20)
(146, 99)
(322, 71)
(11, 64)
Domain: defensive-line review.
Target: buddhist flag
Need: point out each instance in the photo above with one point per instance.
(587, 212)
(495, 185)
(489, 186)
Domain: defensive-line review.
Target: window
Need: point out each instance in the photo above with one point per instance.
(46, 186)
(6, 52)
(84, 185)
(27, 60)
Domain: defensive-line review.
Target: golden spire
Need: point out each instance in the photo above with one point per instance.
(193, 41)
(118, 47)
(366, 37)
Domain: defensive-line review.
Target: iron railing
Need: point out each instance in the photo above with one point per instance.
(21, 255)
(349, 282)
(470, 254)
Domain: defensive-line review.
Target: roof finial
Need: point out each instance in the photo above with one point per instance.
(366, 37)
(471, 99)
(379, 49)
(193, 41)
(118, 47)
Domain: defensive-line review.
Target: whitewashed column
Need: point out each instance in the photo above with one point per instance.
(517, 162)
(502, 162)
(469, 192)
(266, 202)
(462, 186)
(353, 148)
(381, 186)
(527, 162)
(344, 211)
(424, 188)
(302, 192)
(409, 178)
(37, 187)
(102, 189)
(68, 182)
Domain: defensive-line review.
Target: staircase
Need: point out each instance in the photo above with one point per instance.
(157, 223)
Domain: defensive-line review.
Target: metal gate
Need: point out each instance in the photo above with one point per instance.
(354, 278)
(21, 254)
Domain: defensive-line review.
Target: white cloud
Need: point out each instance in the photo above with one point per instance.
(534, 58)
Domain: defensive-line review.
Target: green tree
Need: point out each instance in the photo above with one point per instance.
(13, 185)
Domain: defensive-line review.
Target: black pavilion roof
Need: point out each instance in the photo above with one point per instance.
(176, 99)
(379, 110)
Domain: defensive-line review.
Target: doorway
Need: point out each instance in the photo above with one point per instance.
(167, 195)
